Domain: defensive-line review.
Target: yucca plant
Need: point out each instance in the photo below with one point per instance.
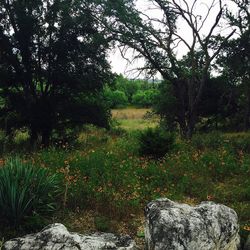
(26, 190)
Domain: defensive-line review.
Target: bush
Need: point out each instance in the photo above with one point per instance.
(145, 98)
(25, 190)
(155, 142)
(116, 98)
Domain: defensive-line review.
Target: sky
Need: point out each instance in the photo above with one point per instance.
(120, 65)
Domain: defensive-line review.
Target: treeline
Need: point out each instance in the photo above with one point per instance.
(224, 105)
(124, 92)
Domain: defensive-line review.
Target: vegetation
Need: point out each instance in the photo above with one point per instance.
(26, 191)
(43, 86)
(155, 142)
(124, 92)
(156, 39)
(104, 175)
(134, 118)
(181, 137)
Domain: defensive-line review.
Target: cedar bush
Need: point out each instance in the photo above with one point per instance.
(155, 142)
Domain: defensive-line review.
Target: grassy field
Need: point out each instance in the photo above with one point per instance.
(105, 183)
(135, 119)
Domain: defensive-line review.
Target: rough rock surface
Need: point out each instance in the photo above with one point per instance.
(174, 226)
(56, 236)
(247, 244)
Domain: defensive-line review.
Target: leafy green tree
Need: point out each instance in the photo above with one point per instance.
(129, 87)
(115, 98)
(145, 98)
(236, 57)
(220, 106)
(52, 59)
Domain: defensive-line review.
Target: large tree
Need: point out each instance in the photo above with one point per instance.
(52, 65)
(235, 59)
(157, 39)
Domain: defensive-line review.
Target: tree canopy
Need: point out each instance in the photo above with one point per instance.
(52, 55)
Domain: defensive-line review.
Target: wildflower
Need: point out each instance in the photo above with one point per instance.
(247, 228)
(1, 162)
(209, 197)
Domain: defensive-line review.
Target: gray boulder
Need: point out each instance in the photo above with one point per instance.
(174, 226)
(247, 244)
(56, 236)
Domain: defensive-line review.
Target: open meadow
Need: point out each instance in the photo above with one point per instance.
(134, 118)
(104, 183)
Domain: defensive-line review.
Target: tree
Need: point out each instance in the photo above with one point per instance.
(156, 40)
(236, 57)
(52, 62)
(115, 98)
(145, 98)
(129, 87)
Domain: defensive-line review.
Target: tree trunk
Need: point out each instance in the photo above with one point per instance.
(247, 108)
(46, 133)
(191, 122)
(33, 137)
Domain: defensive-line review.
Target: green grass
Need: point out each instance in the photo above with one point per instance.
(132, 119)
(105, 176)
(136, 124)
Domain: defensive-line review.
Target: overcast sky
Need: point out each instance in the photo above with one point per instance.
(119, 65)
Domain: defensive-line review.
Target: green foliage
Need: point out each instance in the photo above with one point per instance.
(156, 142)
(166, 105)
(129, 87)
(240, 143)
(59, 51)
(102, 223)
(116, 98)
(136, 92)
(145, 98)
(211, 140)
(26, 190)
(105, 172)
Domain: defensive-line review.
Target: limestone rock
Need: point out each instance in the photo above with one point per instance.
(174, 226)
(56, 236)
(247, 244)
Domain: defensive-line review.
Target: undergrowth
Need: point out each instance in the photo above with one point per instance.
(106, 173)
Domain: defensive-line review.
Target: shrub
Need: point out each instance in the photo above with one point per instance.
(155, 142)
(145, 98)
(116, 98)
(25, 190)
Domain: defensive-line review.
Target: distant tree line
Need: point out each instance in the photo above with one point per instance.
(124, 92)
